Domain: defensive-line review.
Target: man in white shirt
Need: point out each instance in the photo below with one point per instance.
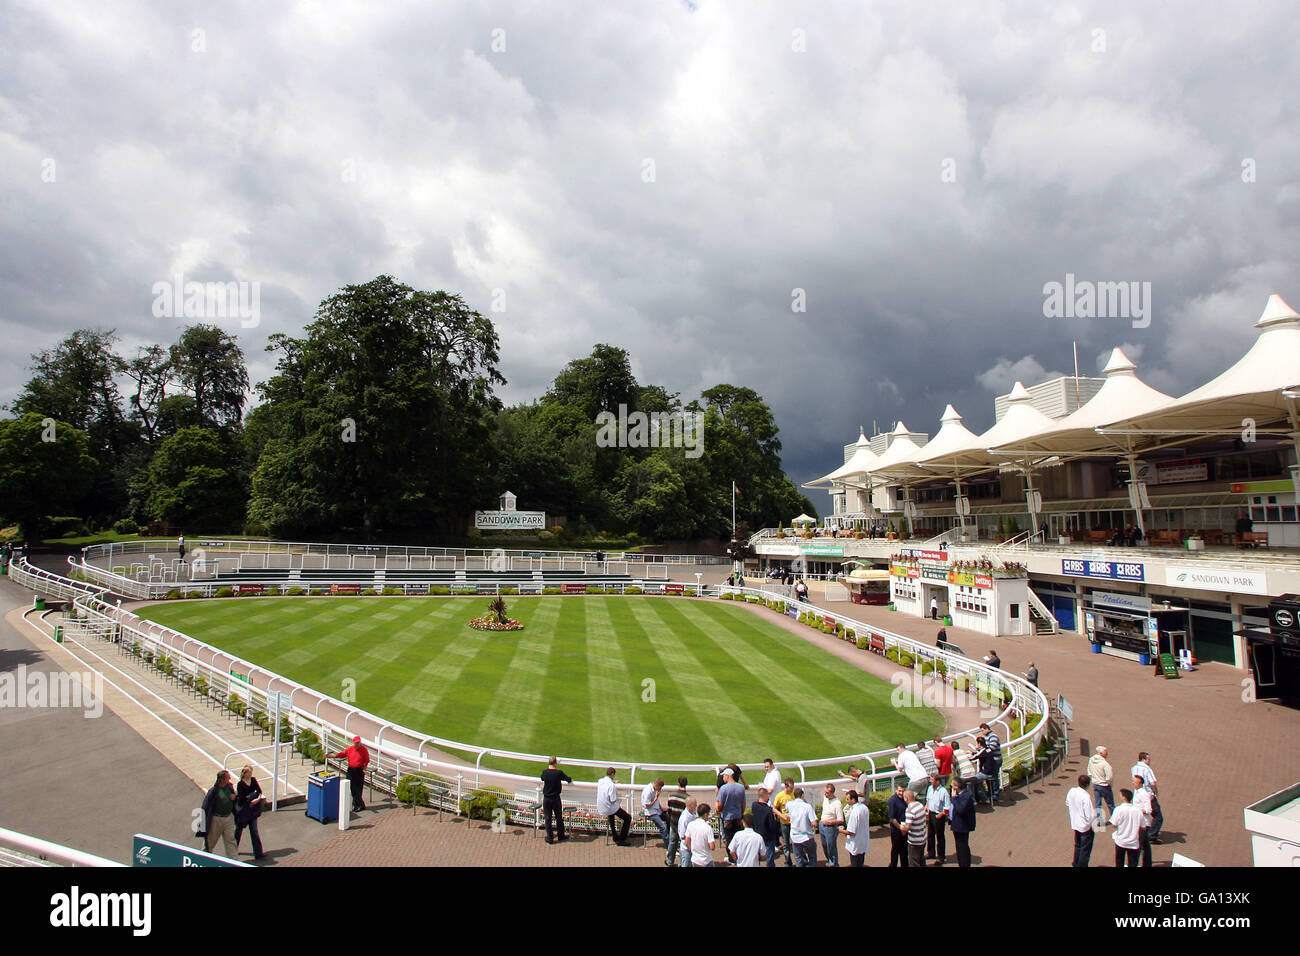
(910, 766)
(699, 838)
(746, 846)
(802, 824)
(934, 609)
(1127, 820)
(651, 809)
(1142, 800)
(857, 826)
(607, 805)
(832, 821)
(683, 822)
(1083, 819)
(771, 777)
(1143, 769)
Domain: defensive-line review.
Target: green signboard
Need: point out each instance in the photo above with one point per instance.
(825, 550)
(154, 852)
(1168, 667)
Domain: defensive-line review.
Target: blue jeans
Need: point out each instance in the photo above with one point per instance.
(661, 824)
(805, 854)
(785, 842)
(770, 853)
(995, 783)
(685, 853)
(831, 845)
(1100, 792)
(674, 843)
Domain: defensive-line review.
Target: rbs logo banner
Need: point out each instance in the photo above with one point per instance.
(1115, 570)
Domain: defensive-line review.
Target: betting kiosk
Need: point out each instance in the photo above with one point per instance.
(1131, 627)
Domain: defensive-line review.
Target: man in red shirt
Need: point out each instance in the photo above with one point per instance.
(358, 759)
(943, 757)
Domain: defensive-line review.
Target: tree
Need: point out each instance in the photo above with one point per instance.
(151, 370)
(599, 383)
(45, 468)
(383, 411)
(209, 364)
(195, 482)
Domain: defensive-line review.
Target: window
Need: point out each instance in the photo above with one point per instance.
(1015, 611)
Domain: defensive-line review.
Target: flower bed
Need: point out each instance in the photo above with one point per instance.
(488, 624)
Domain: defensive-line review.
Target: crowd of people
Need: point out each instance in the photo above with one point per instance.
(1135, 821)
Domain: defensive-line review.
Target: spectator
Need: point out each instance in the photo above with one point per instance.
(699, 838)
(988, 768)
(358, 758)
(1142, 800)
(651, 809)
(926, 755)
(934, 608)
(779, 805)
(676, 806)
(1083, 818)
(683, 823)
(607, 805)
(897, 811)
(910, 766)
(943, 758)
(553, 780)
(994, 744)
(746, 846)
(1100, 771)
(963, 819)
(803, 823)
(248, 807)
(766, 825)
(730, 805)
(1143, 769)
(914, 826)
(219, 815)
(938, 806)
(992, 659)
(941, 639)
(1127, 820)
(831, 822)
(859, 777)
(1031, 675)
(771, 777)
(857, 828)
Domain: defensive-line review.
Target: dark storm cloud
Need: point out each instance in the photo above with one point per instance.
(919, 172)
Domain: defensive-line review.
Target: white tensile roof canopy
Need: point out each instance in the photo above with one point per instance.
(952, 435)
(860, 462)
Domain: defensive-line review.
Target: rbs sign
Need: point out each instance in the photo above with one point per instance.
(1115, 570)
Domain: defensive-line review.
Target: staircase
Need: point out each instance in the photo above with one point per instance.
(1042, 619)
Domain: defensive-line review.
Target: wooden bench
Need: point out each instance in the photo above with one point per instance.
(1252, 539)
(1098, 537)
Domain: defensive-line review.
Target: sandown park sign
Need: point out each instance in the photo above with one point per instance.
(509, 520)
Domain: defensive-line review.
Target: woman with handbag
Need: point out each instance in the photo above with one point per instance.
(248, 807)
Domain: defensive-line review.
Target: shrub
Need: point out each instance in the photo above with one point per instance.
(465, 591)
(225, 592)
(65, 526)
(295, 591)
(392, 590)
(308, 744)
(633, 590)
(481, 804)
(272, 592)
(126, 526)
(550, 590)
(164, 665)
(905, 659)
(727, 597)
(850, 634)
(412, 792)
(369, 591)
(172, 595)
(878, 808)
(437, 589)
(235, 704)
(891, 654)
(863, 644)
(194, 594)
(508, 591)
(201, 686)
(317, 592)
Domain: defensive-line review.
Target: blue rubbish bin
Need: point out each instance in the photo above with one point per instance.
(1096, 648)
(1144, 660)
(323, 797)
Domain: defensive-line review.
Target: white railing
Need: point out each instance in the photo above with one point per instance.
(1044, 611)
(32, 851)
(404, 750)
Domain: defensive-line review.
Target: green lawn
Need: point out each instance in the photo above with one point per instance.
(727, 683)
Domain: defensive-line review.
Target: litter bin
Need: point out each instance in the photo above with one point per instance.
(1144, 660)
(323, 797)
(58, 634)
(38, 603)
(1096, 648)
(947, 620)
(891, 606)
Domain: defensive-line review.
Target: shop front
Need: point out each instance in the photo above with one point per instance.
(1129, 626)
(1273, 655)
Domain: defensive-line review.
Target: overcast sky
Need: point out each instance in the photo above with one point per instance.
(664, 176)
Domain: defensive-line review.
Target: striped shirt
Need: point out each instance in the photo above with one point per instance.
(916, 823)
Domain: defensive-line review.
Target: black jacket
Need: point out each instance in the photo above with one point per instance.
(766, 824)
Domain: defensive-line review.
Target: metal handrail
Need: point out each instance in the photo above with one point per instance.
(45, 851)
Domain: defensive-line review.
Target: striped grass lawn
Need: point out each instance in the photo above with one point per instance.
(667, 680)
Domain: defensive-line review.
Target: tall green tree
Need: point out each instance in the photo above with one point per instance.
(382, 412)
(196, 482)
(45, 469)
(209, 364)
